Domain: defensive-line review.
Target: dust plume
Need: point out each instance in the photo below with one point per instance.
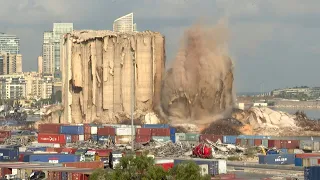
(198, 87)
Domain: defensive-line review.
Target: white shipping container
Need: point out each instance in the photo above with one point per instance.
(180, 137)
(314, 161)
(22, 149)
(124, 131)
(163, 161)
(204, 169)
(36, 144)
(56, 145)
(94, 130)
(81, 137)
(222, 165)
(14, 171)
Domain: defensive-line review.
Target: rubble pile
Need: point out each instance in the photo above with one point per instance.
(89, 144)
(22, 141)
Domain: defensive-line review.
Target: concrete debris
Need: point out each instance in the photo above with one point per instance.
(108, 144)
(22, 141)
(97, 68)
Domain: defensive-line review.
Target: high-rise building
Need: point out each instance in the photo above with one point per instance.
(40, 64)
(38, 86)
(9, 43)
(10, 63)
(13, 86)
(51, 47)
(125, 24)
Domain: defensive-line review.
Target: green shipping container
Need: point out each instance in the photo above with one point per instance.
(161, 138)
(180, 137)
(265, 142)
(192, 137)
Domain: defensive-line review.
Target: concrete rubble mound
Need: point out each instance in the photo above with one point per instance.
(23, 141)
(97, 68)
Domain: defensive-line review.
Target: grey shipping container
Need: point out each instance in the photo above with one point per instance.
(229, 139)
(312, 173)
(316, 146)
(280, 159)
(265, 142)
(306, 145)
(155, 126)
(212, 164)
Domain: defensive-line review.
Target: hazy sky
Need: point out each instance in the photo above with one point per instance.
(274, 42)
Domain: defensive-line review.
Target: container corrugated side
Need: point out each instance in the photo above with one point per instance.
(9, 154)
(123, 139)
(51, 158)
(180, 137)
(265, 142)
(312, 173)
(212, 164)
(314, 161)
(279, 159)
(161, 138)
(192, 137)
(306, 145)
(73, 130)
(92, 165)
(229, 139)
(125, 131)
(298, 162)
(94, 130)
(155, 126)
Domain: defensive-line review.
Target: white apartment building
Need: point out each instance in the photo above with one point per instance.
(124, 24)
(13, 86)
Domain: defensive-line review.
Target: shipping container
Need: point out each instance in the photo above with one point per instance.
(103, 139)
(306, 145)
(314, 161)
(87, 129)
(274, 143)
(258, 142)
(87, 137)
(79, 176)
(94, 130)
(250, 142)
(210, 137)
(284, 151)
(289, 144)
(51, 158)
(173, 138)
(172, 131)
(32, 149)
(142, 139)
(298, 161)
(143, 131)
(264, 142)
(9, 154)
(212, 164)
(5, 134)
(192, 137)
(103, 152)
(105, 131)
(94, 137)
(125, 131)
(307, 155)
(180, 137)
(238, 142)
(160, 132)
(91, 165)
(161, 138)
(81, 137)
(155, 125)
(280, 159)
(68, 150)
(49, 128)
(229, 139)
(316, 146)
(68, 138)
(312, 173)
(51, 138)
(73, 130)
(123, 139)
(74, 138)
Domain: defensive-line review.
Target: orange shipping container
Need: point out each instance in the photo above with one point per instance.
(92, 165)
(258, 142)
(79, 176)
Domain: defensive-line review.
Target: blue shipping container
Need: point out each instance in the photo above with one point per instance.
(279, 159)
(9, 154)
(298, 162)
(229, 139)
(68, 138)
(73, 130)
(51, 158)
(312, 173)
(94, 137)
(64, 176)
(212, 164)
(32, 149)
(172, 131)
(173, 138)
(155, 126)
(284, 151)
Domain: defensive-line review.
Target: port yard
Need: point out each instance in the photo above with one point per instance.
(62, 151)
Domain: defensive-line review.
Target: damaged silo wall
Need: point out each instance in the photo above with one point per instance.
(97, 68)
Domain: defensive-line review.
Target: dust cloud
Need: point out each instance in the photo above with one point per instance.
(198, 86)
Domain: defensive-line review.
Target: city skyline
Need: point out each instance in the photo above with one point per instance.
(269, 40)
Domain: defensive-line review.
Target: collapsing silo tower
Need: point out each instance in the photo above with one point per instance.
(97, 69)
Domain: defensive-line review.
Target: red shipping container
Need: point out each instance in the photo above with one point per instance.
(238, 142)
(144, 131)
(290, 144)
(87, 137)
(307, 155)
(50, 149)
(166, 166)
(274, 143)
(142, 139)
(52, 138)
(69, 150)
(74, 138)
(87, 129)
(105, 131)
(49, 128)
(160, 132)
(5, 134)
(2, 140)
(257, 142)
(79, 176)
(58, 150)
(210, 137)
(91, 165)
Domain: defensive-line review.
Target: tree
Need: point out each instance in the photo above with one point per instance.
(143, 168)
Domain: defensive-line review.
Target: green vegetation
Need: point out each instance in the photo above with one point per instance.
(143, 168)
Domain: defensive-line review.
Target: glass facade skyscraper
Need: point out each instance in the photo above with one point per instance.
(124, 24)
(9, 43)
